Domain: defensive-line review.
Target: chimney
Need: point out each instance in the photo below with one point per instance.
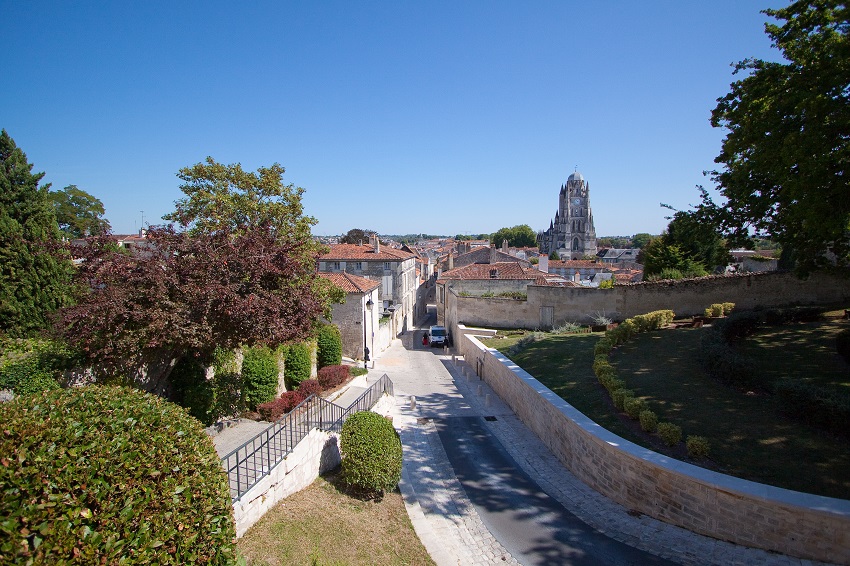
(543, 263)
(492, 253)
(451, 261)
(505, 246)
(376, 242)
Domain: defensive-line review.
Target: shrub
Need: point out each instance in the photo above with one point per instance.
(603, 346)
(371, 452)
(715, 310)
(842, 344)
(567, 328)
(613, 384)
(619, 397)
(698, 446)
(273, 410)
(670, 434)
(331, 377)
(329, 346)
(606, 284)
(648, 420)
(727, 308)
(259, 376)
(633, 406)
(298, 365)
(108, 475)
(34, 365)
(309, 387)
(356, 371)
(817, 406)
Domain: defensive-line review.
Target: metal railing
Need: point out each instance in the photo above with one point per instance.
(257, 457)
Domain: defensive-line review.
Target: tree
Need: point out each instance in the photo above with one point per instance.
(520, 236)
(786, 154)
(641, 239)
(78, 213)
(245, 274)
(690, 245)
(33, 277)
(357, 236)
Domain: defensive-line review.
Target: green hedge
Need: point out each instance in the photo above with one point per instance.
(371, 452)
(29, 366)
(298, 365)
(328, 346)
(110, 475)
(259, 376)
(207, 400)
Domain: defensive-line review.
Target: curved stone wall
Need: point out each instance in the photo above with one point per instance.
(717, 505)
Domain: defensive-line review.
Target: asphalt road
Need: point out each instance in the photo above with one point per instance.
(530, 524)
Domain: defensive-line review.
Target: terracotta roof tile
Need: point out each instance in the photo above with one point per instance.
(504, 270)
(350, 283)
(364, 252)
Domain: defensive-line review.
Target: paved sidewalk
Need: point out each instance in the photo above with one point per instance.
(442, 514)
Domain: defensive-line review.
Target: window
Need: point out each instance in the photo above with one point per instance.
(358, 265)
(387, 266)
(335, 265)
(494, 273)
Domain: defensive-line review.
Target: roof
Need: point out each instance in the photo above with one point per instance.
(365, 253)
(576, 177)
(576, 263)
(503, 270)
(350, 283)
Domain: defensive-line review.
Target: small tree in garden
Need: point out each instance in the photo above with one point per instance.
(259, 376)
(298, 365)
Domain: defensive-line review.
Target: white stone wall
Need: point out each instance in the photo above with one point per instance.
(713, 504)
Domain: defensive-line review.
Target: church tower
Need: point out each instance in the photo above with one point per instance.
(571, 233)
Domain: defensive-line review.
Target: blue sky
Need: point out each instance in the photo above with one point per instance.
(402, 117)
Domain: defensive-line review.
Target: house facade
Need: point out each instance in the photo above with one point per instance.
(393, 269)
(358, 318)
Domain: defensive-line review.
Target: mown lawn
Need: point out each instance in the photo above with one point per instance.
(322, 525)
(749, 437)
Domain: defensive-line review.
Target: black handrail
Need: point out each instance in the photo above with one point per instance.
(256, 458)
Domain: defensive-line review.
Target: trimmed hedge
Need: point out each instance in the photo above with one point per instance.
(273, 410)
(648, 420)
(259, 377)
(328, 346)
(698, 446)
(110, 475)
(309, 387)
(670, 434)
(298, 364)
(371, 453)
(331, 377)
(207, 400)
(817, 406)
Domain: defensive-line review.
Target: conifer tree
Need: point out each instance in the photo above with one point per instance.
(33, 278)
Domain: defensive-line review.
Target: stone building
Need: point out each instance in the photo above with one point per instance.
(358, 317)
(571, 232)
(395, 270)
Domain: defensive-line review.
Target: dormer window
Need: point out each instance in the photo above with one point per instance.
(494, 274)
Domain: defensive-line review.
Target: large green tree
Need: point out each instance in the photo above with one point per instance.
(33, 276)
(78, 213)
(356, 236)
(691, 246)
(520, 236)
(785, 157)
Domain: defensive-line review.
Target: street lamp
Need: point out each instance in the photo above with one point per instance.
(369, 304)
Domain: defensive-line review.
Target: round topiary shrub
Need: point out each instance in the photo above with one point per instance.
(619, 397)
(371, 452)
(648, 420)
(259, 377)
(298, 365)
(698, 446)
(310, 387)
(633, 406)
(670, 434)
(110, 475)
(328, 346)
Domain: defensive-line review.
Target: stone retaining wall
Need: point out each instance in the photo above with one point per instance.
(713, 504)
(317, 453)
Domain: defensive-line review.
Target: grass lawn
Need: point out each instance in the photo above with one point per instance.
(322, 525)
(749, 438)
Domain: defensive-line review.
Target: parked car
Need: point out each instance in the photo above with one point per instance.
(438, 336)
